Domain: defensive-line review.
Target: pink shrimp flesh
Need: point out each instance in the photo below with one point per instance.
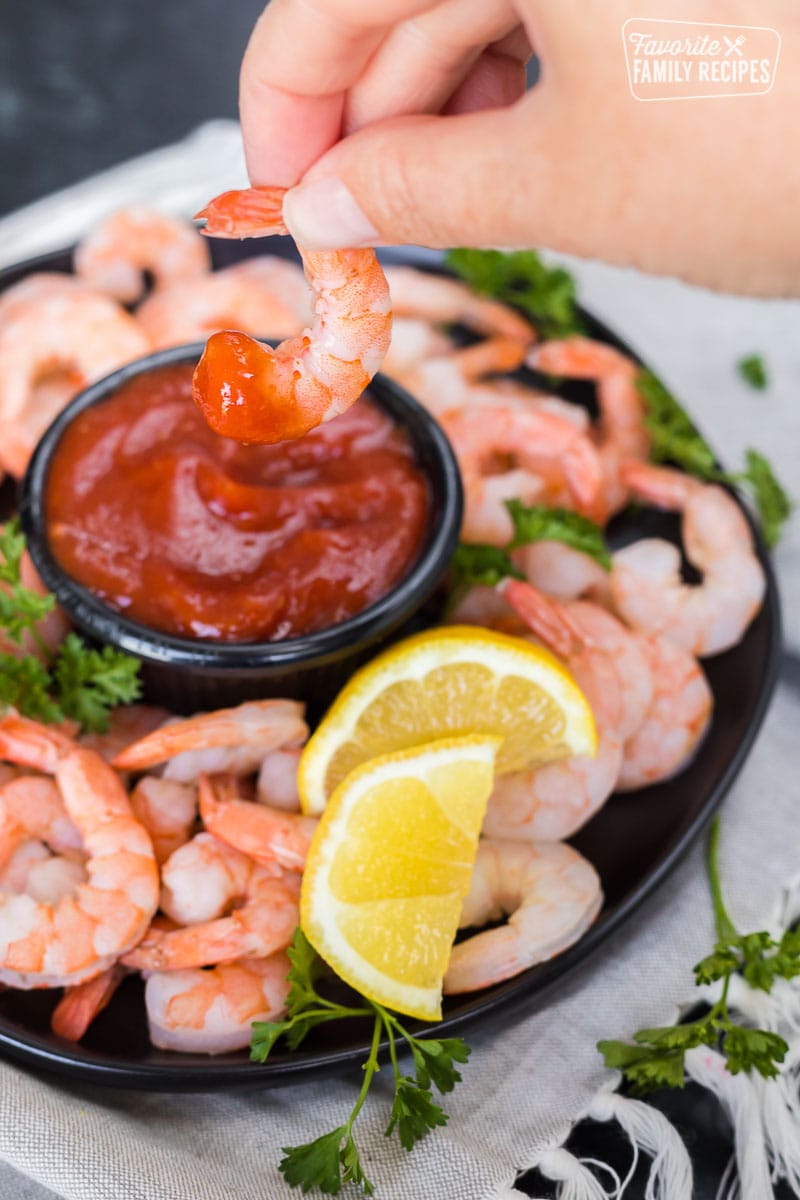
(265, 834)
(80, 1004)
(114, 256)
(250, 392)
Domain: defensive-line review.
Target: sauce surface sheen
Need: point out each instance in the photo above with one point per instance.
(199, 536)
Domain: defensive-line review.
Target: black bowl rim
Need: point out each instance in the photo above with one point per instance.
(322, 646)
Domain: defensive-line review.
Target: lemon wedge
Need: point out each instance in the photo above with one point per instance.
(449, 682)
(389, 865)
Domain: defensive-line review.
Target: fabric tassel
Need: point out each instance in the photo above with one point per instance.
(649, 1130)
(575, 1180)
(739, 1097)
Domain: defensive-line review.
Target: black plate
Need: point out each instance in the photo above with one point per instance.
(634, 842)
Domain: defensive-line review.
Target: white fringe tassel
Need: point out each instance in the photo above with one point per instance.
(764, 1113)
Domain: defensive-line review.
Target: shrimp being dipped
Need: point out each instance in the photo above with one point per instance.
(550, 894)
(248, 391)
(212, 1011)
(114, 256)
(646, 582)
(230, 739)
(54, 945)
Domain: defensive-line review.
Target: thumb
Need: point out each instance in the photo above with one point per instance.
(434, 181)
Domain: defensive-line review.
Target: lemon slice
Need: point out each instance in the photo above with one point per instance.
(389, 865)
(448, 683)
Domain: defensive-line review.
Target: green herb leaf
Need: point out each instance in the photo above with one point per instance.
(674, 437)
(520, 278)
(319, 1163)
(414, 1112)
(715, 966)
(12, 547)
(25, 685)
(20, 607)
(435, 1061)
(771, 500)
(753, 1050)
(643, 1067)
(678, 1037)
(89, 683)
(479, 565)
(537, 523)
(753, 370)
(303, 973)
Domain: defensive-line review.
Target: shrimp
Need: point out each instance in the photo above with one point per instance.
(675, 721)
(127, 722)
(31, 807)
(248, 391)
(201, 880)
(187, 312)
(445, 301)
(554, 801)
(114, 256)
(264, 923)
(458, 379)
(212, 1011)
(265, 834)
(168, 811)
(54, 945)
(79, 1005)
(623, 434)
(563, 573)
(65, 340)
(277, 780)
(505, 453)
(646, 583)
(231, 739)
(549, 892)
(16, 868)
(414, 340)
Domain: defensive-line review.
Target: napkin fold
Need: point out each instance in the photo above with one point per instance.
(528, 1079)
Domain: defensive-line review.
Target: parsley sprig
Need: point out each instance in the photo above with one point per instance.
(78, 682)
(674, 438)
(479, 564)
(332, 1160)
(753, 370)
(545, 294)
(657, 1057)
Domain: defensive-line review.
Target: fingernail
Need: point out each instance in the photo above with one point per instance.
(323, 215)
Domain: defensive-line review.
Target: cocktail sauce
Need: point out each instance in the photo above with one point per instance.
(197, 535)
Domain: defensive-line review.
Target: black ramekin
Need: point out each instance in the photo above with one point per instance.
(188, 675)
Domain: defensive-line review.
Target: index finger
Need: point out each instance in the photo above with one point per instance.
(301, 59)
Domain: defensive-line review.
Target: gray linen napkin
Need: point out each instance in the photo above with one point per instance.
(529, 1080)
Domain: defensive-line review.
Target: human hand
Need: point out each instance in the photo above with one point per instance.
(408, 121)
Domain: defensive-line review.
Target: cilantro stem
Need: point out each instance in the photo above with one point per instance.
(726, 930)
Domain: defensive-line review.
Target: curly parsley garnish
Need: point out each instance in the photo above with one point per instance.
(545, 294)
(656, 1059)
(78, 682)
(753, 370)
(332, 1159)
(675, 439)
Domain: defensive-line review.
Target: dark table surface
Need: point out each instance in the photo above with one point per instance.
(84, 85)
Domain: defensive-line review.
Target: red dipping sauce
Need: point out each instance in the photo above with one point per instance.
(197, 535)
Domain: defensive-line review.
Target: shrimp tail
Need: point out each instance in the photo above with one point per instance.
(545, 617)
(246, 212)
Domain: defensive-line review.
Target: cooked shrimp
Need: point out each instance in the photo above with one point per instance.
(79, 1005)
(263, 924)
(265, 834)
(127, 723)
(36, 287)
(609, 663)
(675, 721)
(277, 780)
(231, 739)
(564, 573)
(212, 1011)
(506, 453)
(458, 380)
(233, 298)
(623, 434)
(646, 582)
(114, 256)
(549, 892)
(16, 868)
(53, 878)
(31, 807)
(414, 340)
(44, 945)
(168, 811)
(72, 338)
(201, 880)
(436, 298)
(250, 392)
